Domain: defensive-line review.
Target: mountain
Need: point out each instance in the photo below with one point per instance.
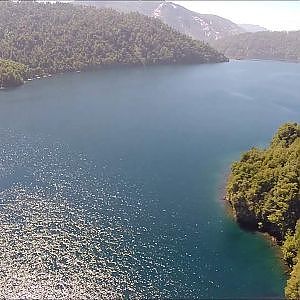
(204, 27)
(252, 28)
(275, 45)
(45, 38)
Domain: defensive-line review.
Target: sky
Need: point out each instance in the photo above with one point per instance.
(274, 15)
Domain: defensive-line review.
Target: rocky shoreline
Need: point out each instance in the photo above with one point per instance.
(262, 192)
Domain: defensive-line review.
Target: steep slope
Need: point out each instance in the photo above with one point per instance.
(276, 45)
(53, 38)
(199, 26)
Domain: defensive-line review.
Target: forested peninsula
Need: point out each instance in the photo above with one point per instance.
(37, 39)
(264, 193)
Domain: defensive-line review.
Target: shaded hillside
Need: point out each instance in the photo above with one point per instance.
(264, 192)
(53, 38)
(276, 45)
(204, 27)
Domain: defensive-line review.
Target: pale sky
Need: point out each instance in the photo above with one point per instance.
(274, 15)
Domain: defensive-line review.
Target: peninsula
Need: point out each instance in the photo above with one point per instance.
(263, 191)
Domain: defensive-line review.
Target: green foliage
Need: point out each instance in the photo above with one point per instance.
(264, 186)
(264, 192)
(12, 73)
(289, 249)
(53, 38)
(292, 290)
(274, 45)
(286, 135)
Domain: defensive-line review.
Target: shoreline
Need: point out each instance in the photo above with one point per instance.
(271, 240)
(266, 60)
(121, 66)
(110, 67)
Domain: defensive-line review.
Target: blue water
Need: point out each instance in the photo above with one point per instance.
(112, 181)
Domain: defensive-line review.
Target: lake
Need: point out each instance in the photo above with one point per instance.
(112, 181)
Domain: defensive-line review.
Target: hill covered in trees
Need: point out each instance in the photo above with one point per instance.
(264, 192)
(276, 45)
(60, 37)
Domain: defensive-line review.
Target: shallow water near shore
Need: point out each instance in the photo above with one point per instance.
(111, 181)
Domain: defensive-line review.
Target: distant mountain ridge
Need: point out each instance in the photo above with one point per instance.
(269, 45)
(252, 28)
(204, 27)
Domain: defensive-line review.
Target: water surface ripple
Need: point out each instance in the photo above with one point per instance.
(111, 181)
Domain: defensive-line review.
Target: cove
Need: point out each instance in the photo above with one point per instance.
(123, 169)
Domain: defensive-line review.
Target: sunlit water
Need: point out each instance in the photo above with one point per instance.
(111, 181)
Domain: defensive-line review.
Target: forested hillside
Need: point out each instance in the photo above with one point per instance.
(276, 45)
(52, 38)
(264, 192)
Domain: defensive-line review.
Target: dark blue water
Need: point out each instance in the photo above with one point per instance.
(111, 181)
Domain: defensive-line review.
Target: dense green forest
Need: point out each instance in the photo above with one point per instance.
(53, 38)
(12, 73)
(292, 250)
(264, 192)
(277, 45)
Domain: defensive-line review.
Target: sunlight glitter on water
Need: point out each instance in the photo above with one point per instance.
(65, 232)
